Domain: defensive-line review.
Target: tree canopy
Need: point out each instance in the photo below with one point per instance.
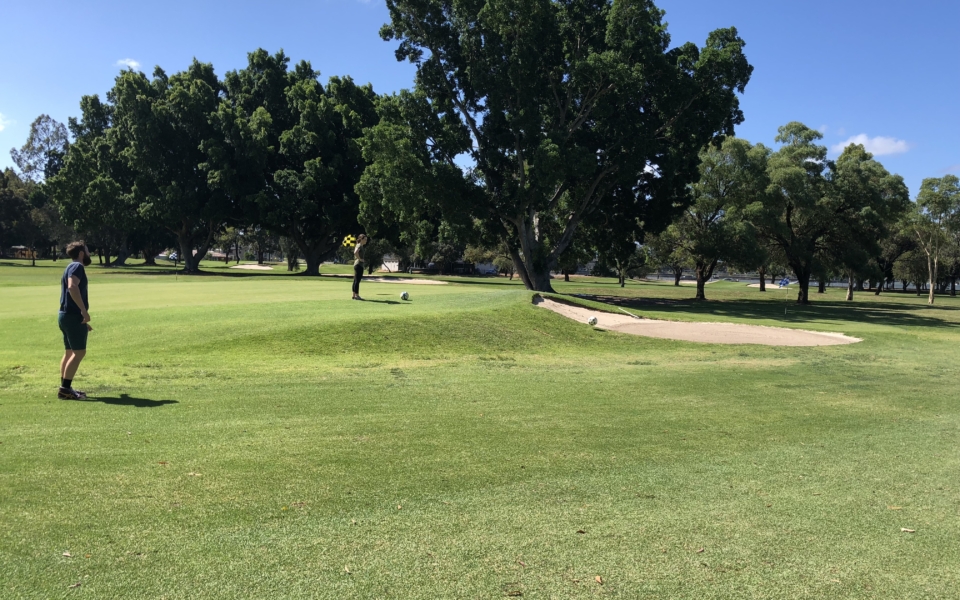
(813, 205)
(527, 114)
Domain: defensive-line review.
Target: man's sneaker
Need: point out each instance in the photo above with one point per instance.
(71, 394)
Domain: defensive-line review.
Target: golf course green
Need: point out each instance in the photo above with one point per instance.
(260, 435)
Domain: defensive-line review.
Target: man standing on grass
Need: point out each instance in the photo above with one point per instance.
(74, 319)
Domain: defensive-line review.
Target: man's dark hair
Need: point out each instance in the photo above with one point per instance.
(74, 249)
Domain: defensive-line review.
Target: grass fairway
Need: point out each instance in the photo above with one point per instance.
(262, 436)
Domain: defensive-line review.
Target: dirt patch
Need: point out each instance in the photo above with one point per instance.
(709, 333)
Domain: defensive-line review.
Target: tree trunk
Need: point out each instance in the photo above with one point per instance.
(123, 253)
(541, 281)
(932, 266)
(803, 280)
(953, 286)
(313, 257)
(860, 285)
(538, 274)
(677, 274)
(521, 270)
(821, 286)
(704, 273)
(773, 279)
(762, 272)
(566, 276)
(850, 287)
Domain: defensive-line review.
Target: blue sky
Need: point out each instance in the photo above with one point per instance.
(879, 72)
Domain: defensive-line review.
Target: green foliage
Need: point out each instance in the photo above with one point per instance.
(911, 267)
(712, 228)
(663, 250)
(818, 211)
(289, 150)
(29, 218)
(163, 131)
(41, 157)
(563, 109)
(937, 214)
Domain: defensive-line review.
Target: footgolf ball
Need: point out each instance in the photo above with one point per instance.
(592, 322)
(404, 296)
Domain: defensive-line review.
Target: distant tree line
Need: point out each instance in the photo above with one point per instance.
(538, 136)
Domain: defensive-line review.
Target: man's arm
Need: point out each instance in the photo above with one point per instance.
(73, 288)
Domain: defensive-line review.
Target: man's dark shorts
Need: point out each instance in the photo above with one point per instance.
(74, 331)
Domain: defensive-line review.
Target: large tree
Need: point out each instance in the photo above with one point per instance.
(14, 209)
(165, 128)
(527, 114)
(711, 229)
(937, 209)
(872, 202)
(42, 155)
(94, 189)
(813, 204)
(290, 151)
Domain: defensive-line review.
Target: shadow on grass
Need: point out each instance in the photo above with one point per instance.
(128, 400)
(485, 281)
(383, 301)
(878, 313)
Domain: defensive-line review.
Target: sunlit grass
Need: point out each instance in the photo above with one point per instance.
(264, 436)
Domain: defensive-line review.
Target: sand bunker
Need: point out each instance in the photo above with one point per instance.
(710, 333)
(253, 267)
(407, 281)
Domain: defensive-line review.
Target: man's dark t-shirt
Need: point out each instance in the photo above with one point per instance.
(67, 305)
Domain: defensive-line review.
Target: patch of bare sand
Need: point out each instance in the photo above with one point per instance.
(407, 281)
(253, 267)
(694, 282)
(709, 333)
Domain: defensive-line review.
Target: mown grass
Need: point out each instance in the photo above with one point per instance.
(263, 436)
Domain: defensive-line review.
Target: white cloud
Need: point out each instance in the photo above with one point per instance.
(878, 146)
(128, 62)
(824, 128)
(4, 122)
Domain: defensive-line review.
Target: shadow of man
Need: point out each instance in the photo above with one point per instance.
(128, 400)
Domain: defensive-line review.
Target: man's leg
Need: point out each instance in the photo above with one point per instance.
(67, 355)
(73, 364)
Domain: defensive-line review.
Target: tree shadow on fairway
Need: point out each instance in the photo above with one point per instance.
(876, 313)
(128, 400)
(487, 281)
(383, 301)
